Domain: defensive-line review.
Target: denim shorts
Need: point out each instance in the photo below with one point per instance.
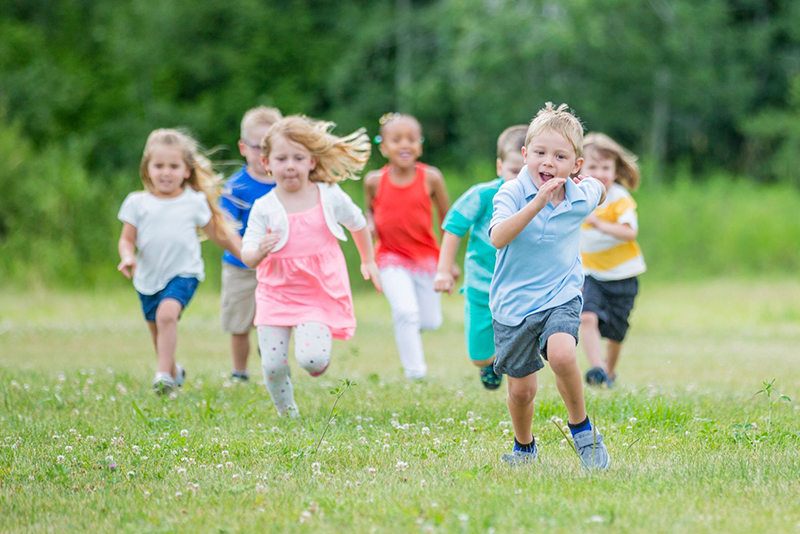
(519, 349)
(612, 301)
(179, 288)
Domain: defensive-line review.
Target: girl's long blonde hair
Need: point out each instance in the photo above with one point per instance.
(202, 176)
(338, 158)
(625, 161)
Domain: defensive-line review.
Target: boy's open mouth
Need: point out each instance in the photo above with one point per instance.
(544, 176)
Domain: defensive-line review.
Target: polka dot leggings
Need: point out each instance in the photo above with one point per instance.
(312, 348)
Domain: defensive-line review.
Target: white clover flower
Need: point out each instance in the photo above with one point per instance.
(144, 457)
(180, 470)
(463, 518)
(305, 515)
(60, 459)
(228, 464)
(225, 454)
(109, 458)
(316, 468)
(632, 420)
(130, 474)
(372, 470)
(68, 448)
(178, 494)
(401, 466)
(184, 433)
(425, 431)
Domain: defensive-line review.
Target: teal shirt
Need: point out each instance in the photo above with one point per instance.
(472, 213)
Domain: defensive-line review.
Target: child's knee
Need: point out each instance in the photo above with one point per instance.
(313, 362)
(430, 323)
(168, 312)
(589, 319)
(521, 394)
(406, 316)
(561, 351)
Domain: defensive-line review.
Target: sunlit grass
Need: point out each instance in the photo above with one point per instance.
(84, 443)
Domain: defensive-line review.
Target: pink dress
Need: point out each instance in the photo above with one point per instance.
(307, 279)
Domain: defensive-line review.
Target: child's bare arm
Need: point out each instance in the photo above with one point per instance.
(369, 269)
(438, 192)
(127, 250)
(371, 182)
(445, 281)
(228, 240)
(507, 230)
(623, 232)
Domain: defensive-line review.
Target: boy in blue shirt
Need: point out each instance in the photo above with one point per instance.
(535, 295)
(472, 213)
(251, 182)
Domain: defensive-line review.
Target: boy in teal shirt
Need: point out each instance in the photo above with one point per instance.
(472, 213)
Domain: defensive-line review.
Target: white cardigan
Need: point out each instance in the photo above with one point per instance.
(268, 212)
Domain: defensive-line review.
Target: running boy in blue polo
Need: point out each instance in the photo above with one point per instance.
(251, 182)
(472, 213)
(535, 296)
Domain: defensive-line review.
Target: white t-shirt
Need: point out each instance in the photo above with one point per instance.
(166, 237)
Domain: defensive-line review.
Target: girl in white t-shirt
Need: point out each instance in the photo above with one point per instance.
(160, 224)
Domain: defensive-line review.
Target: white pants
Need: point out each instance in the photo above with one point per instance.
(415, 307)
(312, 348)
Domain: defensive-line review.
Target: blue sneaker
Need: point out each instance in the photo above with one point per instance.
(596, 376)
(518, 457)
(592, 450)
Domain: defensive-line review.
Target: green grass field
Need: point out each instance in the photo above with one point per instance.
(86, 445)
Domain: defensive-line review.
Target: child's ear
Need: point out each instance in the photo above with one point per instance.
(265, 163)
(499, 166)
(578, 165)
(525, 155)
(242, 148)
(314, 163)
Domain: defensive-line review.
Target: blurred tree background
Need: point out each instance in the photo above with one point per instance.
(697, 89)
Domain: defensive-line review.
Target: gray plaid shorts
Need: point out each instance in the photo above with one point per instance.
(519, 349)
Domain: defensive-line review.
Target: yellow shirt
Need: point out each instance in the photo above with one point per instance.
(604, 256)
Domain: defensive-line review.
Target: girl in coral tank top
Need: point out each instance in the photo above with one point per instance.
(399, 201)
(291, 241)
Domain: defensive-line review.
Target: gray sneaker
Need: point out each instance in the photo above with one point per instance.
(518, 458)
(180, 377)
(592, 450)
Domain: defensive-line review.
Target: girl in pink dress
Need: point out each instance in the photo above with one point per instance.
(291, 241)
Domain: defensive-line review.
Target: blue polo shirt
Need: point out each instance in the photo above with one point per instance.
(241, 191)
(541, 268)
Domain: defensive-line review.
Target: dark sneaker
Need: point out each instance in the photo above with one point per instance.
(596, 376)
(163, 383)
(489, 378)
(518, 458)
(592, 450)
(240, 376)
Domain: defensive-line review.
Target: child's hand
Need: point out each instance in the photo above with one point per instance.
(456, 272)
(370, 272)
(578, 179)
(267, 243)
(547, 191)
(591, 220)
(127, 266)
(444, 282)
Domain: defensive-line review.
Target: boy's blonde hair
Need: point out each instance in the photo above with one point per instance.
(338, 158)
(202, 176)
(511, 140)
(260, 116)
(627, 169)
(560, 120)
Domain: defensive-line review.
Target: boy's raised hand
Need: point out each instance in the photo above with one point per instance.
(370, 272)
(547, 190)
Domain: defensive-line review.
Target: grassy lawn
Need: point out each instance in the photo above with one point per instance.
(86, 445)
